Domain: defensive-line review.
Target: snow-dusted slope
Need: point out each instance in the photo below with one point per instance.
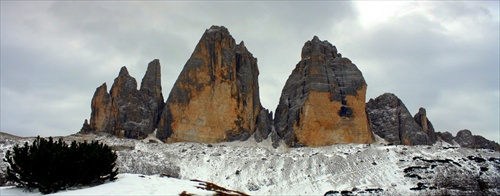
(257, 169)
(126, 184)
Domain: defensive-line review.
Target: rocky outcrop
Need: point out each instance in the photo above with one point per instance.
(445, 136)
(426, 125)
(216, 97)
(391, 120)
(264, 125)
(323, 101)
(86, 127)
(127, 111)
(130, 113)
(481, 142)
(101, 119)
(464, 138)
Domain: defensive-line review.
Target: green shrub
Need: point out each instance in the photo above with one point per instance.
(51, 165)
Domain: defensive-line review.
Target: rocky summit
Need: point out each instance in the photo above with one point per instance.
(391, 120)
(323, 101)
(126, 111)
(421, 119)
(216, 97)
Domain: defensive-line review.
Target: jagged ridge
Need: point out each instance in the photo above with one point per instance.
(216, 99)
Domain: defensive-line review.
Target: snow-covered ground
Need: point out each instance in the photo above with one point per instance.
(258, 169)
(127, 184)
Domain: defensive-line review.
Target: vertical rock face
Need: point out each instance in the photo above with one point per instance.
(151, 90)
(101, 118)
(264, 125)
(323, 101)
(391, 120)
(426, 125)
(216, 97)
(127, 111)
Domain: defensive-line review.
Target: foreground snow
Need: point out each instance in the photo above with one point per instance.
(258, 169)
(127, 184)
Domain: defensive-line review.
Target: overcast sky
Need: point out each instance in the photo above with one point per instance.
(443, 56)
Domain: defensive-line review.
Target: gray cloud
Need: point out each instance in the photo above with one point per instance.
(54, 54)
(445, 59)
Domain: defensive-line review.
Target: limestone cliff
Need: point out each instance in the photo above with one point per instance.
(100, 117)
(426, 125)
(216, 99)
(216, 96)
(323, 101)
(127, 111)
(391, 120)
(151, 90)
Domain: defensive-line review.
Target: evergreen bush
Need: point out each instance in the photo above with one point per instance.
(52, 165)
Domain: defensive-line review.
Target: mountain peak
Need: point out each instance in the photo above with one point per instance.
(316, 49)
(123, 71)
(323, 101)
(214, 29)
(219, 78)
(315, 39)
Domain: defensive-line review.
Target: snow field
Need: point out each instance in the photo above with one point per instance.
(258, 169)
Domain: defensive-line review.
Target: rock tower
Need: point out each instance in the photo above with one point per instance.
(323, 101)
(216, 96)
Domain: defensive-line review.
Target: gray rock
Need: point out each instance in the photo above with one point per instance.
(132, 117)
(86, 127)
(481, 142)
(275, 138)
(151, 90)
(264, 125)
(391, 120)
(127, 111)
(465, 139)
(445, 136)
(426, 125)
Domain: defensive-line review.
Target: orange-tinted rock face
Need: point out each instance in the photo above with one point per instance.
(319, 125)
(426, 125)
(100, 117)
(216, 97)
(323, 101)
(208, 116)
